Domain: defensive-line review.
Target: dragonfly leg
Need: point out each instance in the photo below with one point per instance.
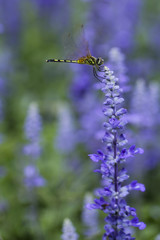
(101, 68)
(100, 78)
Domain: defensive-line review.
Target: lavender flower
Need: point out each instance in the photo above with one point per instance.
(1, 111)
(111, 197)
(1, 28)
(69, 232)
(1, 120)
(123, 25)
(11, 25)
(146, 122)
(33, 127)
(157, 237)
(90, 218)
(66, 130)
(4, 205)
(116, 62)
(32, 177)
(145, 116)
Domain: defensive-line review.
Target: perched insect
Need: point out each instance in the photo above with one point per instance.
(88, 59)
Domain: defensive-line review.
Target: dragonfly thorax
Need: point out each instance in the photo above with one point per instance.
(92, 60)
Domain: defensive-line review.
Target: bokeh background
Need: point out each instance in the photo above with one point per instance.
(50, 113)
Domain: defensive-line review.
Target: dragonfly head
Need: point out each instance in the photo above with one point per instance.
(99, 61)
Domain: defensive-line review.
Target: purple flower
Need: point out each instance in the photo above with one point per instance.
(89, 217)
(135, 222)
(157, 237)
(136, 186)
(33, 123)
(69, 232)
(1, 111)
(33, 127)
(116, 63)
(146, 121)
(111, 197)
(32, 178)
(4, 205)
(66, 137)
(12, 24)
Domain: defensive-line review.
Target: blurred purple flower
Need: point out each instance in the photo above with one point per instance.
(33, 123)
(123, 24)
(1, 28)
(2, 85)
(32, 149)
(4, 205)
(32, 178)
(1, 119)
(11, 19)
(48, 3)
(1, 111)
(32, 128)
(157, 237)
(89, 218)
(111, 201)
(53, 11)
(69, 232)
(145, 116)
(116, 63)
(79, 86)
(66, 137)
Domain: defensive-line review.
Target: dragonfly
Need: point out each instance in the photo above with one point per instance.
(88, 59)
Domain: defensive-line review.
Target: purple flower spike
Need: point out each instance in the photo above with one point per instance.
(33, 123)
(33, 127)
(69, 231)
(111, 196)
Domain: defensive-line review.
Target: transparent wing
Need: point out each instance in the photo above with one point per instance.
(83, 43)
(71, 50)
(76, 45)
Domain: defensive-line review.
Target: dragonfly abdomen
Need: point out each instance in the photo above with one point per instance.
(60, 60)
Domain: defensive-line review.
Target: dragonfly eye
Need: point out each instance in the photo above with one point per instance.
(99, 61)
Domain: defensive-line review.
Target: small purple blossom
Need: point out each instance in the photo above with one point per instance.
(111, 196)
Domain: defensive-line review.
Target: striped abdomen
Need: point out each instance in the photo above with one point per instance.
(63, 61)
